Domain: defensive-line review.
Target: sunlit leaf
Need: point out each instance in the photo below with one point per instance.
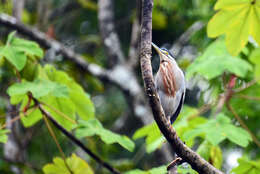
(219, 129)
(76, 166)
(237, 20)
(16, 51)
(215, 61)
(94, 127)
(15, 57)
(39, 88)
(185, 122)
(81, 101)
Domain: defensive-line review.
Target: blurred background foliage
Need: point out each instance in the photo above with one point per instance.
(210, 68)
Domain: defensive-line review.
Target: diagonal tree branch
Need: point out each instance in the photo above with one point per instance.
(197, 163)
(76, 141)
(47, 42)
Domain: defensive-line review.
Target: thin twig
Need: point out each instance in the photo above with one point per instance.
(56, 142)
(247, 85)
(248, 97)
(77, 141)
(242, 123)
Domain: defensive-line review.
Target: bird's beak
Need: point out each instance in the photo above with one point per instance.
(158, 50)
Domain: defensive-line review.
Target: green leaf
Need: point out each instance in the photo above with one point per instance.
(15, 57)
(38, 88)
(216, 156)
(16, 51)
(94, 127)
(247, 167)
(215, 61)
(10, 37)
(81, 101)
(63, 105)
(204, 150)
(215, 131)
(32, 116)
(3, 136)
(76, 166)
(154, 139)
(255, 59)
(237, 20)
(28, 47)
(156, 170)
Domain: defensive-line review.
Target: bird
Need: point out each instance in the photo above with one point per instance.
(170, 84)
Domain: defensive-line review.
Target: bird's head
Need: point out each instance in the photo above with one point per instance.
(165, 55)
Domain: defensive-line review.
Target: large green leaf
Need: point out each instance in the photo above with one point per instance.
(3, 136)
(94, 127)
(247, 167)
(219, 129)
(76, 166)
(39, 88)
(216, 60)
(237, 20)
(81, 101)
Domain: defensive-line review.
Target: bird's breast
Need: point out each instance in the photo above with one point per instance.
(168, 80)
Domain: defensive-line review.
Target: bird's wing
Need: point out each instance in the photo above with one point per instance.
(178, 110)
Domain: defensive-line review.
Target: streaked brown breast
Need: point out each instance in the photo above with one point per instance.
(167, 74)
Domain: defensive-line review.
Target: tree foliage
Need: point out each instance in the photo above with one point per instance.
(223, 116)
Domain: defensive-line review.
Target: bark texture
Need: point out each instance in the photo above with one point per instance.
(197, 163)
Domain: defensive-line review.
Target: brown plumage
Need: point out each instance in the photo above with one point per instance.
(170, 84)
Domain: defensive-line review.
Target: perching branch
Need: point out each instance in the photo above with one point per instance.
(196, 162)
(76, 141)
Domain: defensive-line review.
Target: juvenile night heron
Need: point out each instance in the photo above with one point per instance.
(170, 84)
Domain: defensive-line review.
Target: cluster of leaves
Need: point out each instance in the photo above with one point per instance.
(59, 94)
